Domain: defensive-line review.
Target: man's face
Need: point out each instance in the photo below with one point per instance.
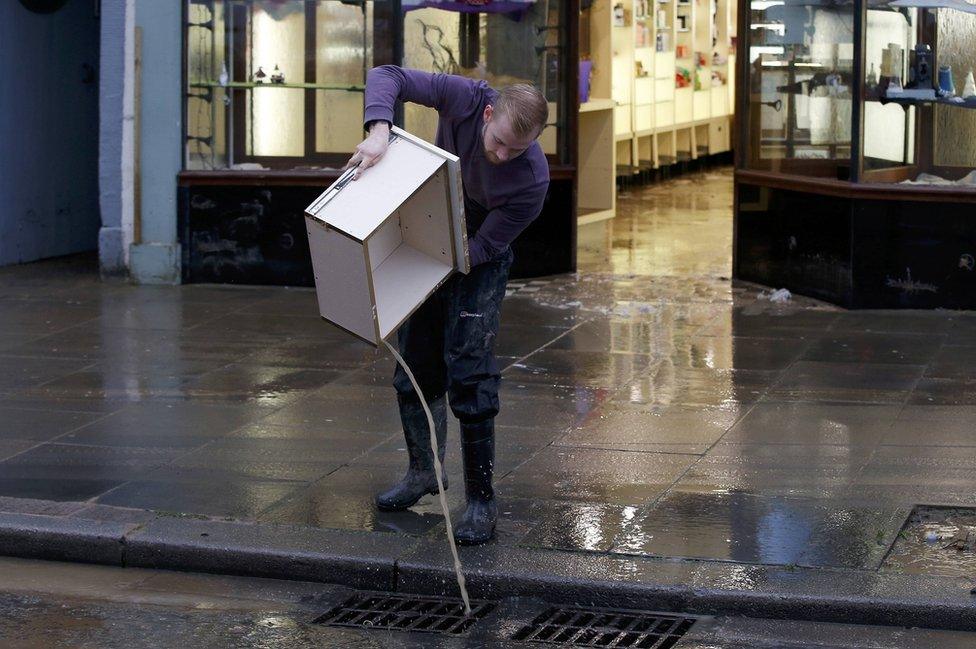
(500, 142)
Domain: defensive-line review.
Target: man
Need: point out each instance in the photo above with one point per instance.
(449, 342)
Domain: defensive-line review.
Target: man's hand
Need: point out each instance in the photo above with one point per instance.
(370, 150)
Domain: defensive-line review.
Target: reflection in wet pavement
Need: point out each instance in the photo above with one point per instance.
(650, 405)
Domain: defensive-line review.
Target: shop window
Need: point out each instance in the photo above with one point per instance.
(278, 84)
(275, 84)
(505, 42)
(801, 58)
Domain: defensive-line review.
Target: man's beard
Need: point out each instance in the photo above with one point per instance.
(489, 156)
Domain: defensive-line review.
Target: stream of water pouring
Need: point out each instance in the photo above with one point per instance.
(440, 481)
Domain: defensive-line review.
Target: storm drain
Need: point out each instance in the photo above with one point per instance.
(405, 613)
(578, 627)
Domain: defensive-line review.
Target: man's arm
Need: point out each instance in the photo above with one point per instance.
(449, 94)
(387, 84)
(504, 224)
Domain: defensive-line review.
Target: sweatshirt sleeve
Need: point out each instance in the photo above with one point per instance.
(449, 94)
(504, 223)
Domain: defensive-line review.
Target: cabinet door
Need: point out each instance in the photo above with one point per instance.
(718, 135)
(703, 105)
(663, 114)
(720, 101)
(644, 91)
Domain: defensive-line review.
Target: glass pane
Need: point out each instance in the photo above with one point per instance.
(955, 126)
(800, 67)
(206, 146)
(275, 117)
(521, 46)
(275, 83)
(889, 128)
(344, 40)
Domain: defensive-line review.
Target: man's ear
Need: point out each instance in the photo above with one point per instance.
(489, 111)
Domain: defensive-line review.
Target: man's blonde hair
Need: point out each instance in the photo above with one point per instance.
(526, 108)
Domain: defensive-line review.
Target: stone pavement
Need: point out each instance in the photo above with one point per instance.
(660, 429)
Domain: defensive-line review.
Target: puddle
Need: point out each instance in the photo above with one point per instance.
(938, 541)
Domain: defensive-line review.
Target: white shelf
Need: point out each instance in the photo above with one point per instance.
(584, 217)
(596, 104)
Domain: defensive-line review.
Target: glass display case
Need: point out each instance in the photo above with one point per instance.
(855, 159)
(275, 84)
(866, 91)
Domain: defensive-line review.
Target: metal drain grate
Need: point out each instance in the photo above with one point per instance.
(579, 627)
(405, 613)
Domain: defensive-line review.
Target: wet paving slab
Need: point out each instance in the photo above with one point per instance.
(595, 475)
(849, 381)
(40, 425)
(910, 349)
(671, 429)
(746, 528)
(589, 369)
(944, 392)
(20, 373)
(163, 424)
(205, 492)
(795, 422)
(333, 416)
(953, 362)
(665, 384)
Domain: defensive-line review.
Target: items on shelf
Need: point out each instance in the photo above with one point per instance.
(642, 37)
(639, 70)
(946, 87)
(662, 19)
(277, 76)
(969, 89)
(892, 61)
(682, 51)
(919, 84)
(894, 86)
(682, 77)
(662, 42)
(920, 69)
(619, 15)
(872, 80)
(260, 75)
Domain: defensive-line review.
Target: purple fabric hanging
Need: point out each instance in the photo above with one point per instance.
(472, 6)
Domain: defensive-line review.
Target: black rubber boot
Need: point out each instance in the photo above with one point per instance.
(477, 525)
(420, 479)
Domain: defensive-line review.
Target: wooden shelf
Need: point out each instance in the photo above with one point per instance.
(585, 216)
(303, 86)
(910, 101)
(596, 104)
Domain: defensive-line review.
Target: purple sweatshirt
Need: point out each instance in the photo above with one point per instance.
(499, 200)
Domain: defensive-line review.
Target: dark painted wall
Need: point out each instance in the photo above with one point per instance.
(48, 131)
(256, 235)
(874, 254)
